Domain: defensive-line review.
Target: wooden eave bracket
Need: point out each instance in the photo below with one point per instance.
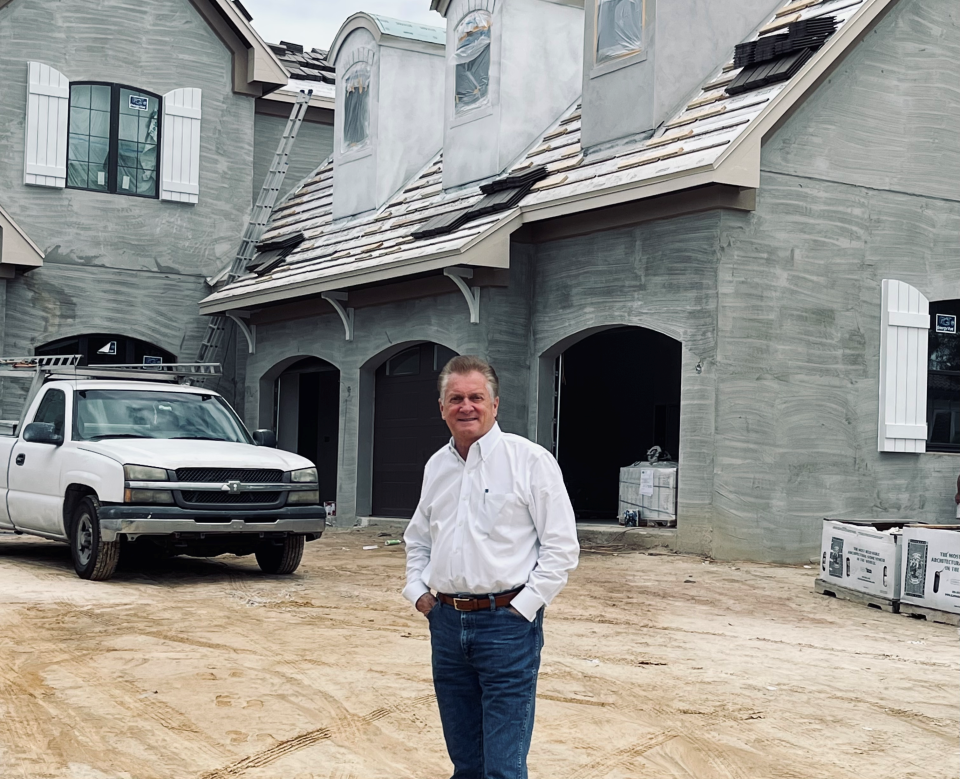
(346, 314)
(472, 294)
(249, 331)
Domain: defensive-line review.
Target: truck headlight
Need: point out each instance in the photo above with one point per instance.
(304, 475)
(144, 473)
(147, 496)
(311, 497)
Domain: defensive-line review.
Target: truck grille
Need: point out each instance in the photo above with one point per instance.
(248, 475)
(220, 498)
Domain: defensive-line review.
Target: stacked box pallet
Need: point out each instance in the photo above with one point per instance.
(860, 560)
(651, 490)
(931, 573)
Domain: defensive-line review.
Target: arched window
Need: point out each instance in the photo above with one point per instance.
(356, 107)
(113, 141)
(472, 59)
(106, 349)
(619, 28)
(943, 377)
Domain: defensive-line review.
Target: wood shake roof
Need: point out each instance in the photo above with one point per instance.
(381, 244)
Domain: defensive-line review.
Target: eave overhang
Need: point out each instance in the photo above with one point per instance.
(490, 249)
(16, 248)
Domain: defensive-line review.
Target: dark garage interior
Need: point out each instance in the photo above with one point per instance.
(617, 395)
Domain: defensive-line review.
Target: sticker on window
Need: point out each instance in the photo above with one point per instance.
(946, 323)
(139, 102)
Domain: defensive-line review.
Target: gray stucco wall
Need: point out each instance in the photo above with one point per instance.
(313, 145)
(380, 332)
(114, 263)
(860, 185)
(781, 307)
(660, 276)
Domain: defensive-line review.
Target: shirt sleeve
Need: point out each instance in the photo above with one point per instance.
(557, 530)
(419, 543)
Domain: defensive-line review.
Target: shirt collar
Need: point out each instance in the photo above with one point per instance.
(484, 445)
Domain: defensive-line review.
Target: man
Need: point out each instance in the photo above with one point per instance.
(494, 535)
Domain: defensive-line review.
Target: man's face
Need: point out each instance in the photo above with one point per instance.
(467, 406)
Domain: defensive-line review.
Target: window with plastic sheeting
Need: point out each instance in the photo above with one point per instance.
(619, 28)
(114, 132)
(472, 59)
(943, 377)
(356, 107)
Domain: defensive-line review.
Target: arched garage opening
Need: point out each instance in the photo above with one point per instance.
(407, 427)
(307, 417)
(616, 394)
(107, 349)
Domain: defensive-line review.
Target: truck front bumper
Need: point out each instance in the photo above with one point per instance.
(171, 520)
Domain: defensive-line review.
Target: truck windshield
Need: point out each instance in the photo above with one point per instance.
(148, 414)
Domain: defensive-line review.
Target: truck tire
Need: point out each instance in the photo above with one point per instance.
(283, 557)
(93, 558)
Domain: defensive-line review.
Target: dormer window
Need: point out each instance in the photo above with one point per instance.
(472, 58)
(619, 28)
(356, 107)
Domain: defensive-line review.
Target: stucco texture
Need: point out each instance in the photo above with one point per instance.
(859, 185)
(117, 263)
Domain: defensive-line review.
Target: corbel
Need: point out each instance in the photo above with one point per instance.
(346, 314)
(472, 294)
(249, 331)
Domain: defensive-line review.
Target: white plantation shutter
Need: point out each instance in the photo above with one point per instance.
(48, 95)
(904, 322)
(180, 156)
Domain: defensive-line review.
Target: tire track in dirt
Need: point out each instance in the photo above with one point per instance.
(132, 699)
(310, 738)
(111, 621)
(620, 758)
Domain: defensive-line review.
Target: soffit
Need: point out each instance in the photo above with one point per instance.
(714, 139)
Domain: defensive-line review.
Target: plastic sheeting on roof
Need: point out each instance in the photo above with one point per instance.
(619, 28)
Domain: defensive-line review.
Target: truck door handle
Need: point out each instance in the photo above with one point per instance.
(21, 459)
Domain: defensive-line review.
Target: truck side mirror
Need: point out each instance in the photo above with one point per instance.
(265, 438)
(42, 433)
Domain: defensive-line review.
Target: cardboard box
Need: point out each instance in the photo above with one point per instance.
(862, 556)
(651, 490)
(931, 568)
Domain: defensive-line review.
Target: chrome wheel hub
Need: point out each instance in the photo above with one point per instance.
(84, 539)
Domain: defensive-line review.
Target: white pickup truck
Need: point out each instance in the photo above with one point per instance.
(124, 460)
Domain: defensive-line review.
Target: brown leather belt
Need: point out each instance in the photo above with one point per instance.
(478, 602)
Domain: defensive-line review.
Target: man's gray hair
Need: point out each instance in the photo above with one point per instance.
(469, 363)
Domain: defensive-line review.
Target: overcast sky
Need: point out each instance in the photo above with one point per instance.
(313, 23)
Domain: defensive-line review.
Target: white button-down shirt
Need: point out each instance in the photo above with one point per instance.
(496, 522)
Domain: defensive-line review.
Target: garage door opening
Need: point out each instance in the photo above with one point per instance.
(617, 394)
(407, 427)
(307, 417)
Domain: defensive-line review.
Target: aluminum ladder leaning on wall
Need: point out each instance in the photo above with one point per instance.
(213, 340)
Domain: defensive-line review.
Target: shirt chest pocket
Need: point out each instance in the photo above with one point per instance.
(502, 510)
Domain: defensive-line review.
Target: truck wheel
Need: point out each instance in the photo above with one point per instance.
(283, 557)
(93, 558)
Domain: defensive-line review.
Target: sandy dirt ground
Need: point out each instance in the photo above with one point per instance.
(655, 666)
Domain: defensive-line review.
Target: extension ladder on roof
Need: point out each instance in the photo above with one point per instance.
(213, 340)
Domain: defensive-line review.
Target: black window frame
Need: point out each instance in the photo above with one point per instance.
(113, 153)
(954, 305)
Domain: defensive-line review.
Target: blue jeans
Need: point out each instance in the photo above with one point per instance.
(485, 666)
